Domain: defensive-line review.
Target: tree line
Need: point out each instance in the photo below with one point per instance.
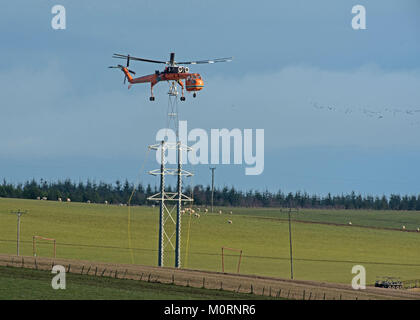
(119, 193)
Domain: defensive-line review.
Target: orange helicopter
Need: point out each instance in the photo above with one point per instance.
(175, 71)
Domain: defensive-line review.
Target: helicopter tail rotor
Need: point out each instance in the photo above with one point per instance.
(125, 70)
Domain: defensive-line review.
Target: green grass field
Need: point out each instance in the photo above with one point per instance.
(23, 284)
(321, 252)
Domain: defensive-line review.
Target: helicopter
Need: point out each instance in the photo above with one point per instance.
(174, 72)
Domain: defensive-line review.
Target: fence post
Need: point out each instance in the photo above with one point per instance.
(148, 280)
(263, 291)
(68, 269)
(310, 295)
(252, 289)
(221, 285)
(103, 271)
(239, 288)
(288, 294)
(303, 294)
(96, 270)
(204, 282)
(173, 278)
(270, 291)
(83, 267)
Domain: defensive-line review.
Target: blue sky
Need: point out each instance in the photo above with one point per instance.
(336, 104)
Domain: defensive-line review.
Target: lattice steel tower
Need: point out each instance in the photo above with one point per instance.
(170, 226)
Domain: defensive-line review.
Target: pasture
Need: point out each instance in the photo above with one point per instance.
(325, 246)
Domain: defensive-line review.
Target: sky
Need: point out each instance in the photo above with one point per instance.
(338, 106)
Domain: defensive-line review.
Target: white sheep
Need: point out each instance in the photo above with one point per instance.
(44, 198)
(106, 202)
(230, 212)
(350, 223)
(230, 221)
(206, 210)
(59, 199)
(418, 229)
(68, 200)
(88, 201)
(220, 211)
(197, 215)
(403, 227)
(38, 198)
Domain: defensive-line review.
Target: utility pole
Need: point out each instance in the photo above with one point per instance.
(18, 213)
(212, 187)
(290, 240)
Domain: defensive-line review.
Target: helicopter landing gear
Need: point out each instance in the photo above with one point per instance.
(194, 95)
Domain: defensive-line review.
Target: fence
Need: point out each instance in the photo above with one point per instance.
(274, 288)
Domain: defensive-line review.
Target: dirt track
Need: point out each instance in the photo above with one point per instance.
(292, 289)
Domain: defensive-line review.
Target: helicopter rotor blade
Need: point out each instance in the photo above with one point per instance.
(121, 56)
(207, 61)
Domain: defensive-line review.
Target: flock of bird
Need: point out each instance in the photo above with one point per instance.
(412, 115)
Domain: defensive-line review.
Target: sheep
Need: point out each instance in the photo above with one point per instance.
(60, 200)
(106, 202)
(220, 211)
(38, 198)
(197, 215)
(88, 201)
(206, 210)
(44, 198)
(193, 211)
(68, 200)
(350, 223)
(230, 221)
(418, 229)
(230, 212)
(198, 209)
(403, 227)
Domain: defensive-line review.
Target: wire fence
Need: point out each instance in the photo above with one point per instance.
(294, 290)
(211, 281)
